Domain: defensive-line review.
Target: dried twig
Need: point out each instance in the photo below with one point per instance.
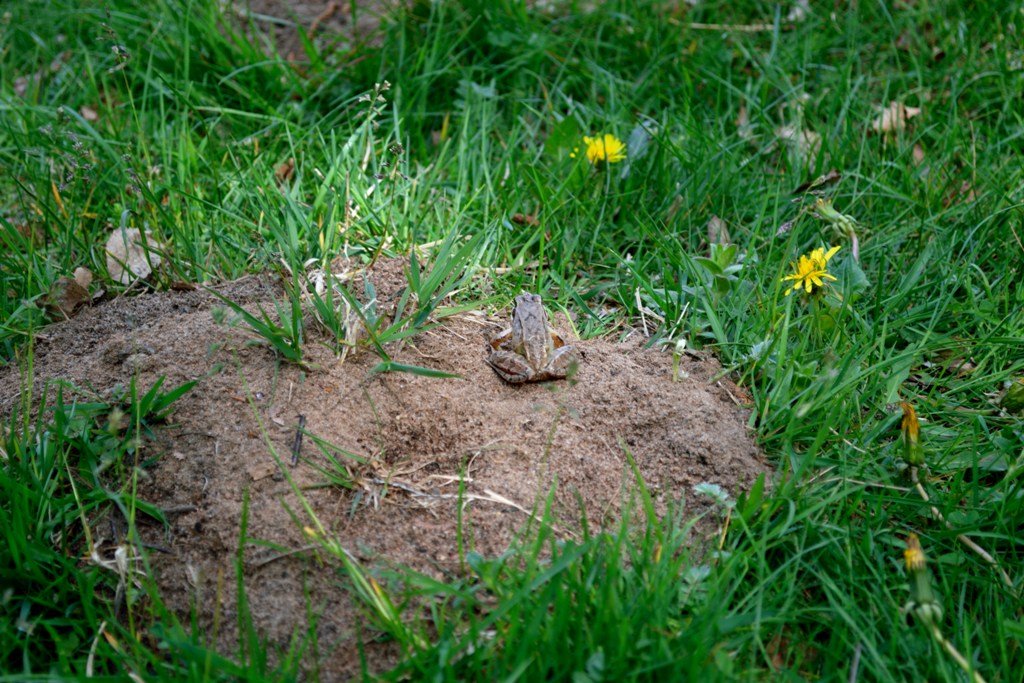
(297, 444)
(280, 556)
(737, 28)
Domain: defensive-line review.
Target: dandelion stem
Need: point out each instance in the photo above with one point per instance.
(963, 538)
(954, 653)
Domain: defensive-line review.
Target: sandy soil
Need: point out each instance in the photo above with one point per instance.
(510, 445)
(331, 24)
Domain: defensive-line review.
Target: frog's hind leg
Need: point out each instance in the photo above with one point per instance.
(511, 367)
(563, 362)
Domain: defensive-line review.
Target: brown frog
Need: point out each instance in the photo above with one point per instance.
(530, 350)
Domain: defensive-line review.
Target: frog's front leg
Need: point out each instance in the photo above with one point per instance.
(511, 367)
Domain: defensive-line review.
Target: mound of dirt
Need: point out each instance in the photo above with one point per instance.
(417, 437)
(328, 22)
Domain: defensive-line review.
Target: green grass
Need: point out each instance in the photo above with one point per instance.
(487, 101)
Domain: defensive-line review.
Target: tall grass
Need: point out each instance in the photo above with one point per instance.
(179, 115)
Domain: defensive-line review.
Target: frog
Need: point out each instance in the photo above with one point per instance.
(530, 350)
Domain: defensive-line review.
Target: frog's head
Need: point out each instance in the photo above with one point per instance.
(527, 300)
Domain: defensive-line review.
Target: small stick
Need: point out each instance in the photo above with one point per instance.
(741, 28)
(297, 444)
(281, 556)
(178, 509)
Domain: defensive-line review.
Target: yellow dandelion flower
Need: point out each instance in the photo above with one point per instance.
(604, 148)
(811, 271)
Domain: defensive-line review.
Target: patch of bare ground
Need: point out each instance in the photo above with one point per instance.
(510, 445)
(330, 24)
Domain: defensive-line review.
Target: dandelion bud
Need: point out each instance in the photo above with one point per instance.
(922, 601)
(913, 453)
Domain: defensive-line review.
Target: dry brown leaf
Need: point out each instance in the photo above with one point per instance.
(130, 255)
(953, 361)
(67, 294)
(83, 276)
(31, 231)
(22, 83)
(785, 228)
(963, 367)
(525, 219)
(262, 470)
(677, 204)
(284, 171)
(807, 143)
(778, 649)
(894, 117)
(918, 154)
(743, 127)
(963, 194)
(800, 10)
(718, 231)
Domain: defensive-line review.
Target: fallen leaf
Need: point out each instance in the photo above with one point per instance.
(807, 143)
(284, 171)
(22, 83)
(31, 231)
(67, 294)
(193, 575)
(799, 11)
(718, 231)
(83, 276)
(673, 209)
(21, 86)
(743, 127)
(894, 117)
(131, 255)
(962, 194)
(88, 113)
(918, 154)
(525, 219)
(262, 470)
(778, 649)
(784, 228)
(947, 364)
